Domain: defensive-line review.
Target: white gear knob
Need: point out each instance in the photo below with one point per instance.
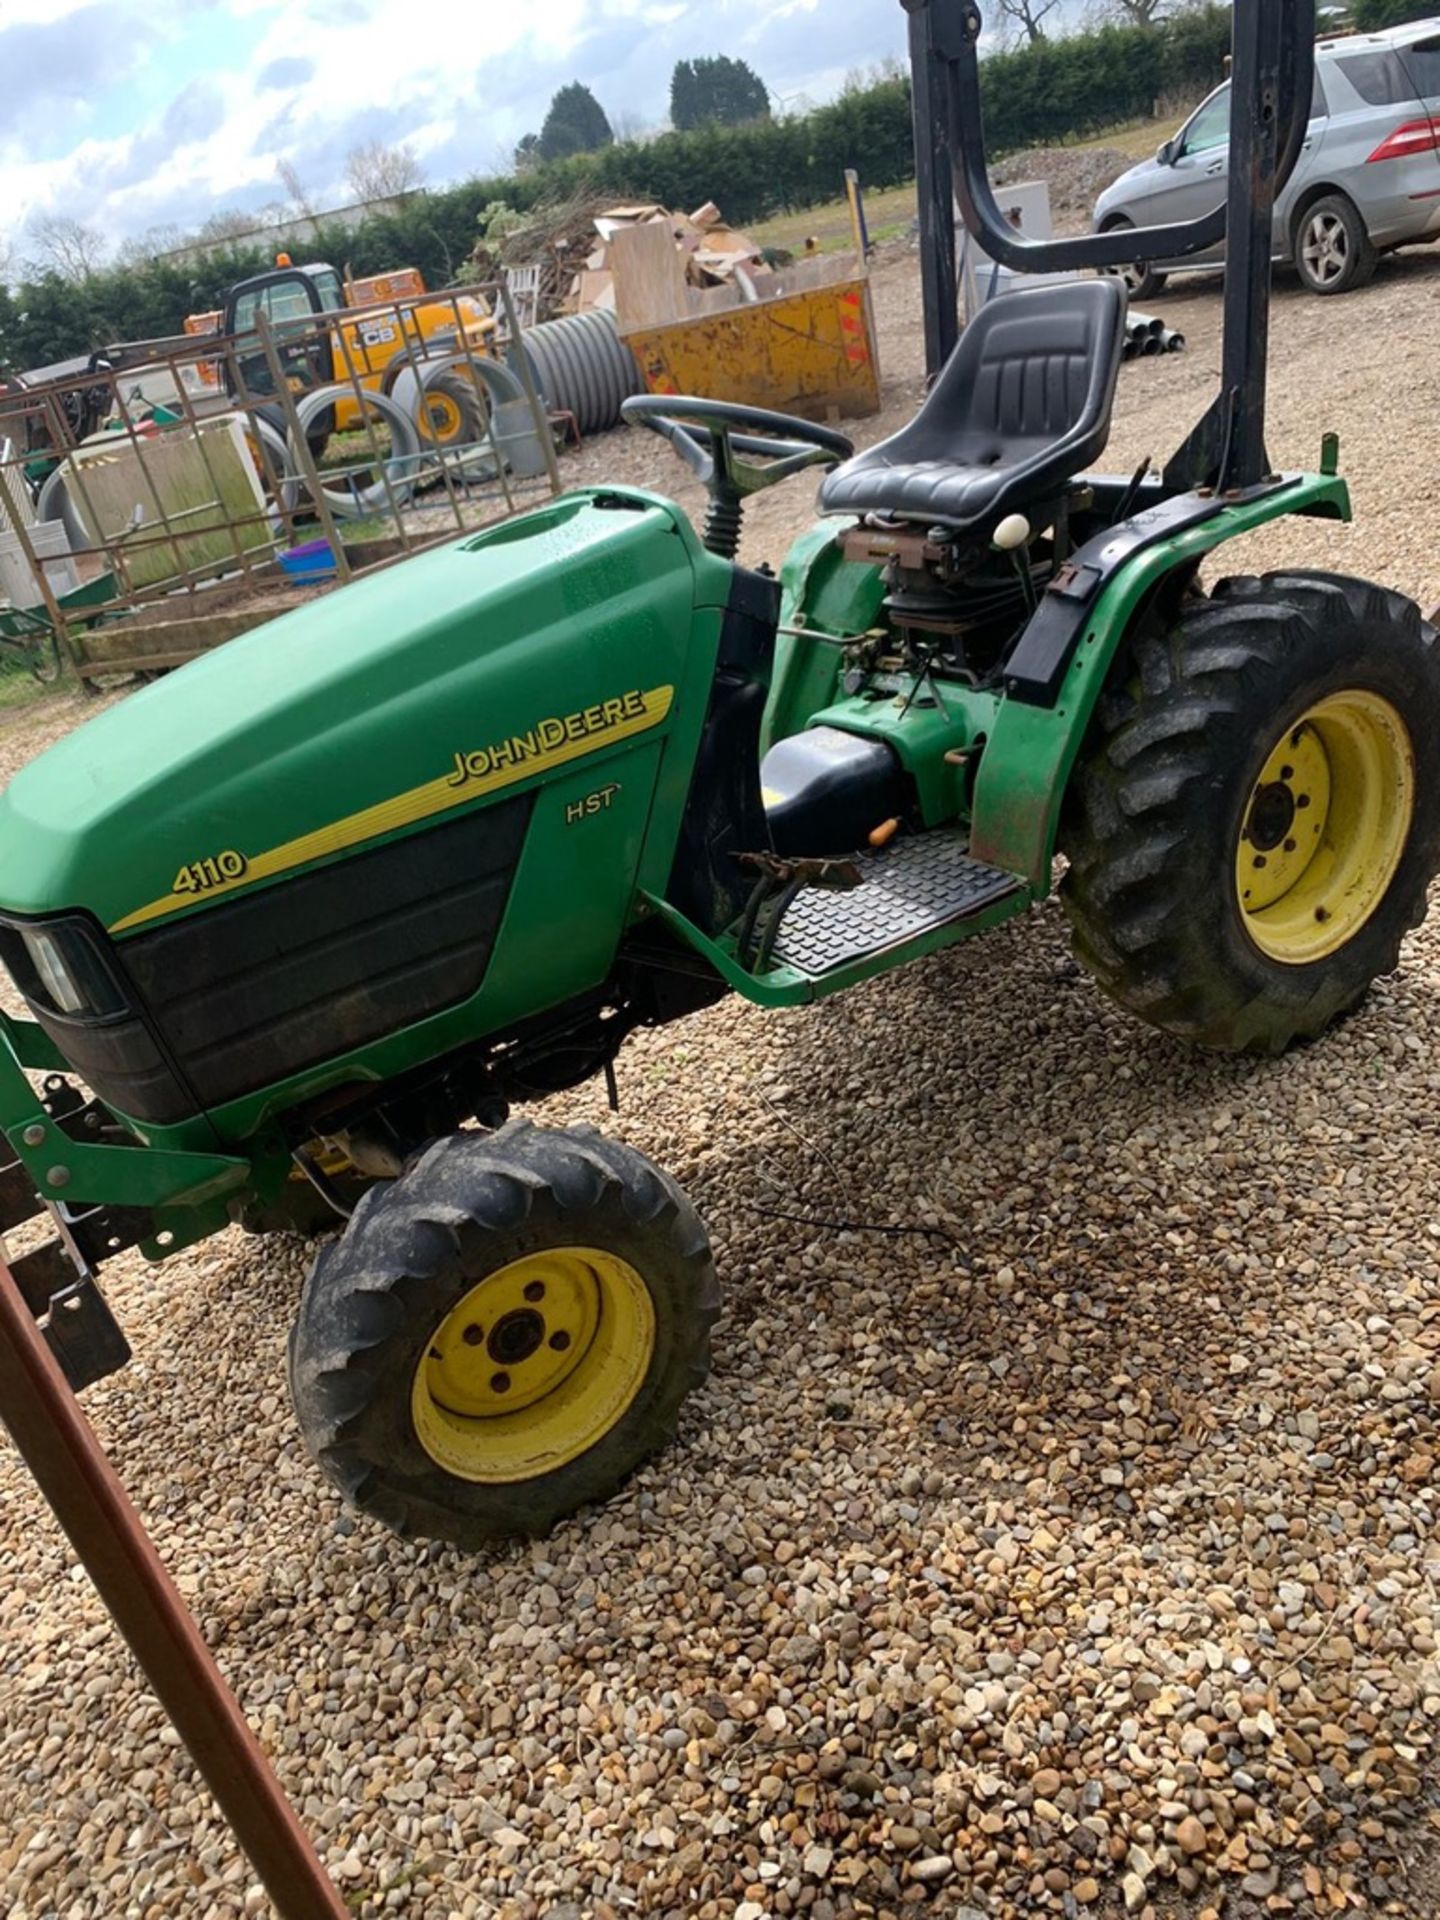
(1012, 532)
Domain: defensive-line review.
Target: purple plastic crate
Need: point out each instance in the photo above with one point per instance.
(313, 561)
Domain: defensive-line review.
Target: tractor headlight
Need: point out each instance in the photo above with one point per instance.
(61, 987)
(59, 967)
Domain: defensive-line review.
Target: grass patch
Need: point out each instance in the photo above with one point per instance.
(19, 688)
(891, 213)
(1139, 139)
(358, 447)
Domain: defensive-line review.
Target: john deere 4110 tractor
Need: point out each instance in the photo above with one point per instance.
(300, 926)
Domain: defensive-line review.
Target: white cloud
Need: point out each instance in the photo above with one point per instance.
(15, 13)
(180, 121)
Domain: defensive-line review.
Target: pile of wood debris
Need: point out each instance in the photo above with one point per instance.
(712, 253)
(553, 242)
(570, 245)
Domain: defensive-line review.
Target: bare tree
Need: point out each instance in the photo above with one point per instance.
(1137, 13)
(857, 80)
(1028, 16)
(378, 172)
(65, 246)
(7, 260)
(141, 248)
(629, 126)
(226, 225)
(288, 174)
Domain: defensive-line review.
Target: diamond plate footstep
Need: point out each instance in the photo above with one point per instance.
(910, 887)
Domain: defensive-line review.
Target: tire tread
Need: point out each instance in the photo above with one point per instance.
(1156, 765)
(367, 1289)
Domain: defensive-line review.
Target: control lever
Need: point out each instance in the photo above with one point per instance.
(1012, 536)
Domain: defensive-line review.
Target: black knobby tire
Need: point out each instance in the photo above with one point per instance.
(1167, 782)
(1333, 250)
(454, 388)
(472, 1206)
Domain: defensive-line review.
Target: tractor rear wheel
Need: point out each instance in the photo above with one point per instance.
(1254, 824)
(503, 1334)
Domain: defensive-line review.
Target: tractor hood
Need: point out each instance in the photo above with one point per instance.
(385, 703)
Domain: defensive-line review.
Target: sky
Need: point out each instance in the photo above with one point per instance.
(136, 114)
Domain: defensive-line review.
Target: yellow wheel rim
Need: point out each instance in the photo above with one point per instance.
(444, 421)
(534, 1366)
(1325, 826)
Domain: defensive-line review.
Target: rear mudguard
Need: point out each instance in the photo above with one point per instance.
(1058, 667)
(1021, 783)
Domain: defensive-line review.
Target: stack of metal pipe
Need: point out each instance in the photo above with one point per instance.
(1146, 335)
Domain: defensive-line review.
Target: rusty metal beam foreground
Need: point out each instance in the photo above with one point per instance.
(57, 1444)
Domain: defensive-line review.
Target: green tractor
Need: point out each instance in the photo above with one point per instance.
(300, 927)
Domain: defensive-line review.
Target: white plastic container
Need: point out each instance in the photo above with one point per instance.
(18, 583)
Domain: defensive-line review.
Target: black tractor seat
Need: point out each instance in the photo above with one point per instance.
(1022, 406)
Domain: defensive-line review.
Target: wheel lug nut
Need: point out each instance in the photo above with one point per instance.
(499, 1383)
(473, 1336)
(560, 1341)
(535, 1290)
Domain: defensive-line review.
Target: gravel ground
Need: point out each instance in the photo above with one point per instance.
(1068, 1549)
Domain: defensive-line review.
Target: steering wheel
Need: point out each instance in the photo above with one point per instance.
(721, 442)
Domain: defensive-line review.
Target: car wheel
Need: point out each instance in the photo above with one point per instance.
(1333, 252)
(1142, 281)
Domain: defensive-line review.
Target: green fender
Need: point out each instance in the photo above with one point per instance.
(1021, 781)
(1031, 751)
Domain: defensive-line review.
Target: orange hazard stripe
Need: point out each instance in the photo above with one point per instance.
(852, 329)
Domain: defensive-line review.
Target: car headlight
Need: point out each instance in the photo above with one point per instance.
(60, 968)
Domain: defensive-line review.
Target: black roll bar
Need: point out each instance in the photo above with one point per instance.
(1271, 86)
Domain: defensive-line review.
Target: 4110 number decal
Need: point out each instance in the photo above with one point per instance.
(201, 875)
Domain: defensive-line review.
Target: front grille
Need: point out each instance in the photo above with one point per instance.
(249, 992)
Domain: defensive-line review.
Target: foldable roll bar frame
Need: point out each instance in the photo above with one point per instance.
(1271, 85)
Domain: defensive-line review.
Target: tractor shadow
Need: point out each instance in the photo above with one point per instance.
(1026, 1197)
(969, 1215)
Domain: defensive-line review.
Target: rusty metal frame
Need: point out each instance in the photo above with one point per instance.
(59, 1446)
(461, 502)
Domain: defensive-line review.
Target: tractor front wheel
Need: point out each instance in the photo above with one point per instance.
(503, 1334)
(1255, 822)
